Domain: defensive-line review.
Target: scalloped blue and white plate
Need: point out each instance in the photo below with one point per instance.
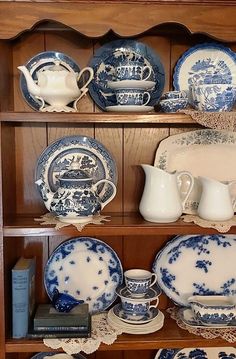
(203, 64)
(195, 265)
(87, 269)
(108, 56)
(45, 355)
(92, 156)
(40, 62)
(197, 353)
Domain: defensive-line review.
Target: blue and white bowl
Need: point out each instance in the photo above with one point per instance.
(173, 104)
(213, 97)
(213, 310)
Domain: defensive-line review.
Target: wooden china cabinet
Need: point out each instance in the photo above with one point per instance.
(78, 28)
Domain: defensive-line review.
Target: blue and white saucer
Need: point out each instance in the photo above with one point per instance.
(109, 56)
(129, 108)
(131, 84)
(187, 316)
(152, 293)
(134, 319)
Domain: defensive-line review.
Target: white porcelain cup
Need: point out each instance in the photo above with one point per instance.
(138, 281)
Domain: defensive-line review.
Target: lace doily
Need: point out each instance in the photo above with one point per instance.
(216, 120)
(221, 227)
(50, 218)
(102, 332)
(228, 334)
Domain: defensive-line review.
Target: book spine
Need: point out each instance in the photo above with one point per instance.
(59, 335)
(20, 303)
(70, 329)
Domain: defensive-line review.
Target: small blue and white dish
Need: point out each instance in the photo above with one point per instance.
(213, 310)
(120, 313)
(173, 104)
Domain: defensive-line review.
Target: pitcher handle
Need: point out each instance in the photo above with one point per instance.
(103, 204)
(234, 199)
(186, 173)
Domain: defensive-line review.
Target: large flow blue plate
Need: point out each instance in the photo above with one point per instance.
(195, 265)
(92, 156)
(87, 269)
(40, 62)
(45, 355)
(197, 353)
(107, 57)
(205, 64)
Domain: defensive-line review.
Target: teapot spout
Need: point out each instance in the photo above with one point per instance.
(46, 193)
(33, 88)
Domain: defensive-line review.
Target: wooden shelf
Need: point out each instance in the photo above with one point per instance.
(103, 117)
(120, 225)
(170, 336)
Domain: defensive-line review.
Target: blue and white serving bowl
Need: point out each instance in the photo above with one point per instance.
(173, 104)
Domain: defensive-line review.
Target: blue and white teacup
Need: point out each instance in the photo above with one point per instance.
(132, 97)
(138, 281)
(133, 71)
(174, 95)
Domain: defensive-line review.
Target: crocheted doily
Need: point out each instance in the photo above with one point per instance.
(50, 218)
(216, 120)
(102, 332)
(221, 227)
(228, 334)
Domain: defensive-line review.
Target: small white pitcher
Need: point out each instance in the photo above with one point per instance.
(216, 202)
(161, 201)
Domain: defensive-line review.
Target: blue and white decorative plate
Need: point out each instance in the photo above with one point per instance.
(197, 353)
(204, 64)
(40, 62)
(107, 57)
(87, 269)
(57, 356)
(92, 156)
(187, 316)
(194, 265)
(134, 319)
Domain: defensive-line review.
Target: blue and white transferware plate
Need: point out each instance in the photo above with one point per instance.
(197, 353)
(57, 356)
(205, 64)
(87, 269)
(92, 156)
(194, 265)
(40, 62)
(107, 57)
(134, 319)
(152, 293)
(187, 316)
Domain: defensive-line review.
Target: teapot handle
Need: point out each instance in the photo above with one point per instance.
(232, 183)
(103, 204)
(90, 70)
(186, 173)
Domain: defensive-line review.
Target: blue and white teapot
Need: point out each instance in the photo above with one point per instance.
(76, 199)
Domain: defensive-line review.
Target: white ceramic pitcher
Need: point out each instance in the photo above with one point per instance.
(216, 202)
(161, 201)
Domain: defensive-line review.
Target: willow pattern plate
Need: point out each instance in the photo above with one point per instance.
(87, 269)
(107, 57)
(197, 353)
(192, 265)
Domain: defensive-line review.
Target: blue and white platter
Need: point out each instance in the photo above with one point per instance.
(197, 353)
(204, 64)
(40, 62)
(152, 293)
(57, 356)
(87, 269)
(135, 319)
(92, 156)
(187, 316)
(194, 265)
(110, 55)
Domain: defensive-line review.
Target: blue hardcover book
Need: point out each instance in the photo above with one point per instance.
(23, 296)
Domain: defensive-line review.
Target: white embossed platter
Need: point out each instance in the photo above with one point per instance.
(197, 353)
(87, 269)
(207, 153)
(203, 64)
(187, 316)
(194, 265)
(92, 156)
